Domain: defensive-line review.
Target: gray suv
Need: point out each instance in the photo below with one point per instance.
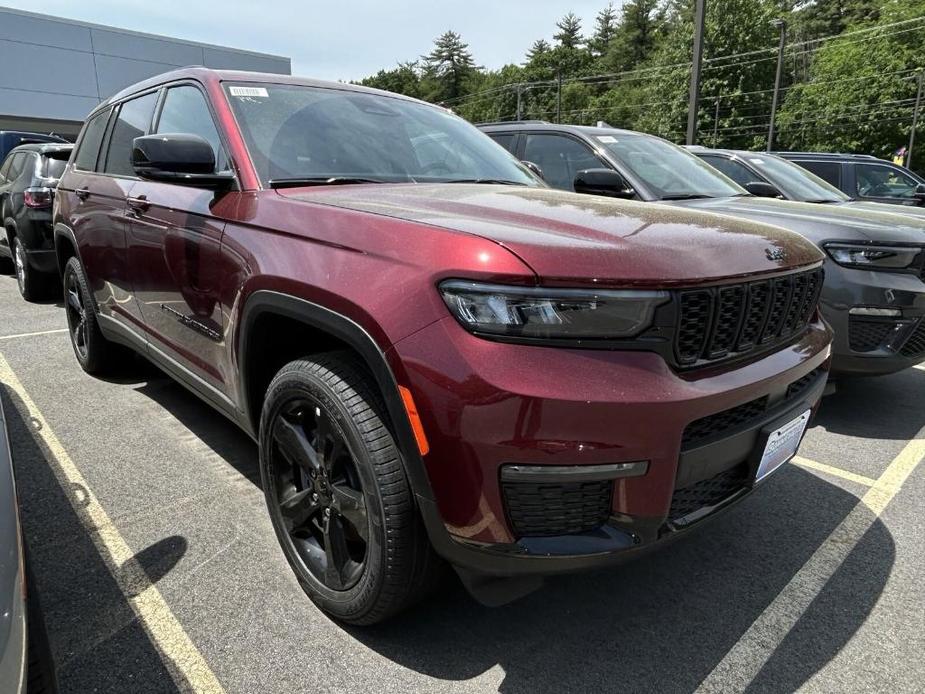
(12, 593)
(874, 292)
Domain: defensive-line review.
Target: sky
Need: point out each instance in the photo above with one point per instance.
(345, 40)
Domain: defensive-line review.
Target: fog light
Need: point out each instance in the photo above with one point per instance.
(871, 311)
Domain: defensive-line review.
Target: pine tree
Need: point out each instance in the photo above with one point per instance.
(569, 34)
(604, 31)
(450, 64)
(539, 47)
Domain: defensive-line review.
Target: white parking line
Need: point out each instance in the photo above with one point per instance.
(834, 471)
(41, 332)
(180, 656)
(744, 661)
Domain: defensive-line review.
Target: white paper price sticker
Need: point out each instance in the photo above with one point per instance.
(248, 91)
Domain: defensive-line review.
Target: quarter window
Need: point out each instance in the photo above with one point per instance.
(560, 158)
(133, 121)
(186, 111)
(506, 140)
(89, 148)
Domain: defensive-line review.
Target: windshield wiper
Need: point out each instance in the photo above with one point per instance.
(320, 181)
(686, 196)
(500, 181)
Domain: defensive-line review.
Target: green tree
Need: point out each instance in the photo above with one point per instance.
(605, 29)
(539, 47)
(636, 36)
(569, 34)
(404, 79)
(449, 65)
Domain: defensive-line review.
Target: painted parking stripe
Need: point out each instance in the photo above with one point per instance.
(41, 332)
(180, 656)
(834, 471)
(745, 659)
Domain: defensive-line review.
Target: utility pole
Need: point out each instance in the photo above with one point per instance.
(915, 117)
(716, 119)
(699, 14)
(782, 25)
(558, 96)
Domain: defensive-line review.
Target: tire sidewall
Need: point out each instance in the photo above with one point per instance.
(87, 363)
(302, 384)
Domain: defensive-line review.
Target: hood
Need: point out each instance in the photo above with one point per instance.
(818, 222)
(911, 211)
(578, 239)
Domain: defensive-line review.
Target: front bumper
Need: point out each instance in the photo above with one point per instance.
(871, 345)
(487, 406)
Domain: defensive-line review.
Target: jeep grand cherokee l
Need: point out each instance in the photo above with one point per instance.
(874, 293)
(440, 357)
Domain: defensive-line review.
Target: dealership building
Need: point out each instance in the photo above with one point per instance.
(54, 71)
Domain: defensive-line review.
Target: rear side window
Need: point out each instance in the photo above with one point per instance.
(133, 121)
(54, 163)
(4, 169)
(16, 167)
(736, 171)
(89, 148)
(506, 140)
(186, 111)
(826, 170)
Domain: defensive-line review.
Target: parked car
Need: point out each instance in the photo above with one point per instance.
(864, 177)
(874, 295)
(13, 636)
(769, 175)
(440, 358)
(28, 177)
(14, 138)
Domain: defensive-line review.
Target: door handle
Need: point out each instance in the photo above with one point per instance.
(82, 193)
(139, 204)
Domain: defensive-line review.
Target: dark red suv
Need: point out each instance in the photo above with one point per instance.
(440, 357)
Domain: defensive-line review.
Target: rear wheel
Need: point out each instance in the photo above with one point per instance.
(32, 285)
(95, 354)
(337, 492)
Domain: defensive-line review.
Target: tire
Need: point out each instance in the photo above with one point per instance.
(33, 286)
(329, 405)
(95, 354)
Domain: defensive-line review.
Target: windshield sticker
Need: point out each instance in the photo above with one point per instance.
(607, 139)
(248, 91)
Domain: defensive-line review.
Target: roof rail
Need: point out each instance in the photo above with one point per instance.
(516, 122)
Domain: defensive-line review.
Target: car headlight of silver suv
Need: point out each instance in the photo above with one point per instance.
(874, 257)
(538, 313)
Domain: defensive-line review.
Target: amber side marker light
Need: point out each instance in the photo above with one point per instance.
(415, 420)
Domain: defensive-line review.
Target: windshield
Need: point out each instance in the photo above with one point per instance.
(667, 170)
(315, 133)
(795, 182)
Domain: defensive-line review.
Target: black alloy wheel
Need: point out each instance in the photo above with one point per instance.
(76, 316)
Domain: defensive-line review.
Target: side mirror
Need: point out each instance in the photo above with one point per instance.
(919, 193)
(534, 168)
(178, 158)
(762, 189)
(603, 182)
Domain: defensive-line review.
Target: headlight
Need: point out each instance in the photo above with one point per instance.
(873, 257)
(538, 313)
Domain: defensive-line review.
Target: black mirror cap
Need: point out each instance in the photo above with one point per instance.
(534, 168)
(177, 158)
(605, 182)
(763, 189)
(920, 191)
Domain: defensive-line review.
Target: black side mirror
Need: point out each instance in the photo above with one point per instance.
(762, 189)
(919, 193)
(603, 182)
(534, 168)
(178, 158)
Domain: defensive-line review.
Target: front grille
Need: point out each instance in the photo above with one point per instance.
(915, 345)
(735, 320)
(717, 424)
(708, 492)
(867, 334)
(543, 509)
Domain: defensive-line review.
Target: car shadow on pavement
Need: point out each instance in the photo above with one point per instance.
(97, 642)
(885, 407)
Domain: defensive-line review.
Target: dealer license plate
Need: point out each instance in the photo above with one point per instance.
(782, 445)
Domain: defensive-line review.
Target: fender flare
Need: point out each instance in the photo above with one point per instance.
(262, 302)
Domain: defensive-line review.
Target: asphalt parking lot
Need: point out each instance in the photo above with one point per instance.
(158, 571)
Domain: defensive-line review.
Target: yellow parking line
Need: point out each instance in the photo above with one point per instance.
(738, 669)
(41, 332)
(834, 471)
(181, 657)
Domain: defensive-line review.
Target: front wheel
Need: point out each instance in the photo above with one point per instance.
(338, 494)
